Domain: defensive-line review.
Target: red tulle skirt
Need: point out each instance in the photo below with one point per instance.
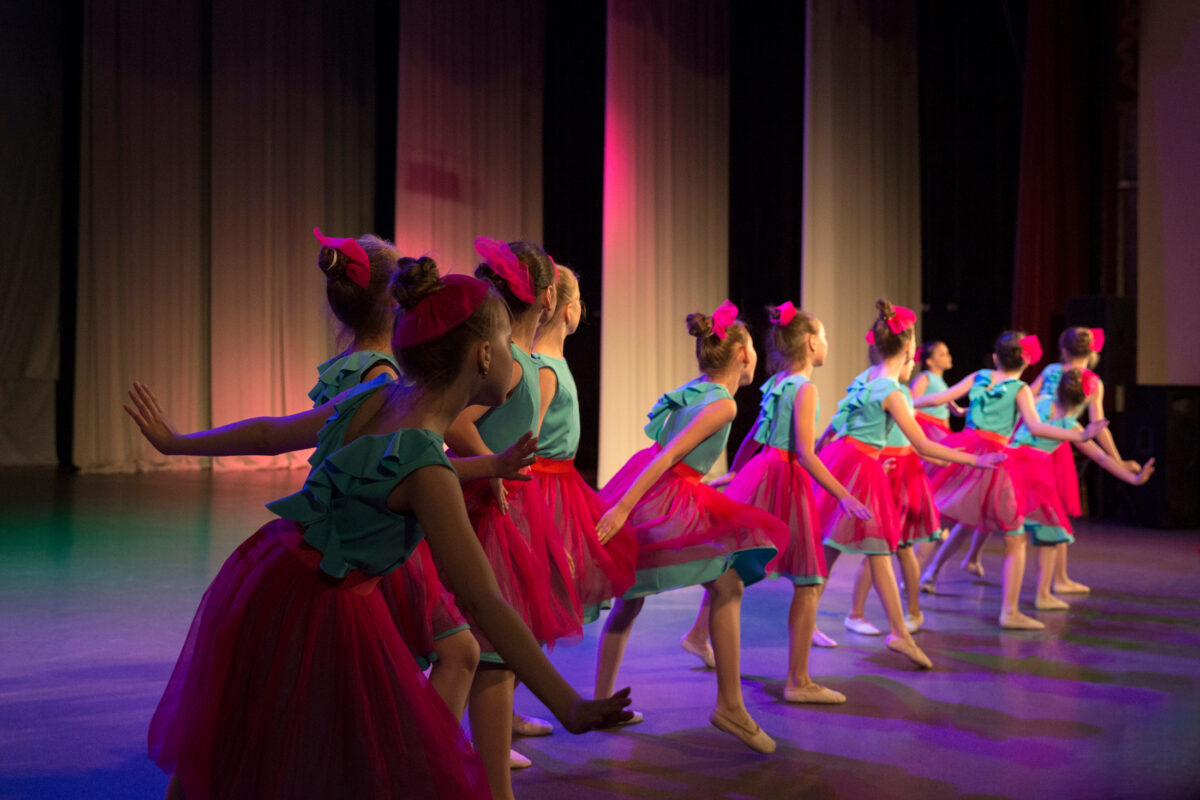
(856, 466)
(936, 429)
(602, 571)
(423, 610)
(983, 499)
(1066, 479)
(292, 686)
(918, 514)
(775, 482)
(1042, 502)
(527, 555)
(689, 533)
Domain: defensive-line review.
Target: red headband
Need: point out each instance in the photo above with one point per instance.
(1031, 348)
(500, 257)
(441, 311)
(1091, 382)
(902, 319)
(1097, 339)
(787, 312)
(870, 337)
(723, 317)
(359, 268)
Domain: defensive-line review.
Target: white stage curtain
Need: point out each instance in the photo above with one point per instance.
(666, 204)
(211, 149)
(862, 221)
(469, 126)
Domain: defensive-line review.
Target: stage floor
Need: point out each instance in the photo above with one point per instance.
(100, 576)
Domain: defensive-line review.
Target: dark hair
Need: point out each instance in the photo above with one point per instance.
(1010, 356)
(713, 353)
(1078, 342)
(435, 363)
(364, 311)
(887, 343)
(788, 344)
(926, 352)
(541, 274)
(1070, 388)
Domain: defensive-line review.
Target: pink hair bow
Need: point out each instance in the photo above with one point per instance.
(787, 312)
(1031, 348)
(902, 319)
(1091, 382)
(440, 311)
(723, 317)
(359, 268)
(870, 337)
(504, 262)
(1097, 339)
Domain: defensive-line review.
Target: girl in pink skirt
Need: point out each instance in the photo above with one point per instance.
(933, 359)
(689, 533)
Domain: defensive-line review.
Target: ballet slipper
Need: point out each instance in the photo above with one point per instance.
(1071, 587)
(753, 737)
(813, 693)
(973, 567)
(705, 653)
(1016, 621)
(913, 623)
(1051, 603)
(861, 626)
(821, 640)
(929, 586)
(623, 723)
(530, 726)
(518, 761)
(909, 649)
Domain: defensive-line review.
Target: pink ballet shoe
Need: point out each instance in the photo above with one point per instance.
(861, 627)
(705, 653)
(530, 726)
(518, 761)
(821, 640)
(814, 694)
(755, 738)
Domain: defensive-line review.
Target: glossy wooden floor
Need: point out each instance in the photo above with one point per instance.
(99, 577)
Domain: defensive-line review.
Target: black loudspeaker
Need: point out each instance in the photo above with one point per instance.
(1163, 422)
(1118, 317)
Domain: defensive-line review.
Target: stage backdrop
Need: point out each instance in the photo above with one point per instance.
(666, 204)
(862, 220)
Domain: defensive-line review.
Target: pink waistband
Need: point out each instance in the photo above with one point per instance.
(355, 581)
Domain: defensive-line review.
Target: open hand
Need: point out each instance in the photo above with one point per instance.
(514, 459)
(853, 507)
(584, 715)
(612, 521)
(723, 481)
(989, 460)
(150, 419)
(1093, 428)
(501, 493)
(1144, 473)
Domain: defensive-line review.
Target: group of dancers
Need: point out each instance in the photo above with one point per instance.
(443, 527)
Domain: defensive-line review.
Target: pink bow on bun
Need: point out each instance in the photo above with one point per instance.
(359, 267)
(1091, 382)
(723, 317)
(1031, 348)
(870, 337)
(902, 319)
(1097, 339)
(504, 262)
(787, 312)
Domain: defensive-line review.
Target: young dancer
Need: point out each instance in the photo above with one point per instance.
(510, 518)
(293, 680)
(603, 570)
(934, 359)
(1046, 515)
(689, 533)
(774, 469)
(994, 501)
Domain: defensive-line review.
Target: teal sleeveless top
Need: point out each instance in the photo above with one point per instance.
(774, 426)
(343, 504)
(1045, 407)
(559, 436)
(895, 436)
(501, 426)
(936, 384)
(341, 372)
(993, 409)
(864, 417)
(675, 409)
(331, 437)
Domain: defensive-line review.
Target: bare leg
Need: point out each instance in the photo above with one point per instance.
(1014, 572)
(925, 550)
(1062, 583)
(802, 621)
(491, 726)
(911, 571)
(971, 563)
(1046, 601)
(726, 619)
(174, 790)
(889, 595)
(612, 643)
(948, 548)
(452, 673)
(695, 641)
(818, 638)
(856, 621)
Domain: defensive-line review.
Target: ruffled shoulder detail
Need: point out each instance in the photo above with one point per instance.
(333, 434)
(773, 392)
(341, 372)
(690, 394)
(368, 467)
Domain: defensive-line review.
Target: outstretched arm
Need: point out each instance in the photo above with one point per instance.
(895, 406)
(1114, 467)
(950, 395)
(1105, 437)
(1029, 416)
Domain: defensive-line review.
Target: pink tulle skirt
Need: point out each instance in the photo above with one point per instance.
(531, 565)
(602, 571)
(983, 499)
(918, 514)
(1066, 479)
(423, 610)
(775, 482)
(689, 533)
(1042, 502)
(936, 429)
(856, 466)
(292, 685)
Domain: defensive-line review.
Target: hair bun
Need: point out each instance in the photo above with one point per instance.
(699, 325)
(414, 280)
(884, 308)
(331, 262)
